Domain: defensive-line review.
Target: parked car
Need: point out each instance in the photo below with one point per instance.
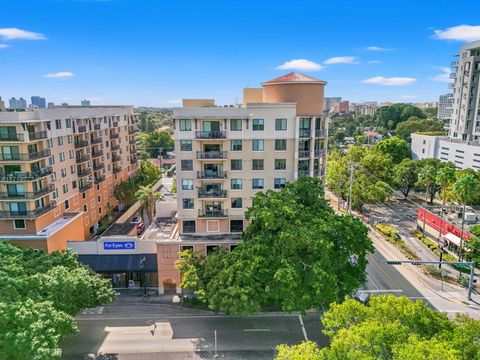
(138, 221)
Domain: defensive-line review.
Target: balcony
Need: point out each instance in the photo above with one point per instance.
(96, 127)
(116, 170)
(318, 153)
(97, 153)
(304, 133)
(39, 135)
(82, 158)
(132, 141)
(211, 175)
(211, 134)
(451, 86)
(454, 64)
(11, 137)
(304, 153)
(453, 76)
(133, 160)
(99, 166)
(27, 195)
(84, 172)
(133, 131)
(96, 140)
(28, 214)
(99, 179)
(213, 213)
(320, 133)
(115, 147)
(26, 157)
(81, 144)
(115, 124)
(85, 187)
(208, 194)
(114, 135)
(211, 155)
(82, 129)
(116, 158)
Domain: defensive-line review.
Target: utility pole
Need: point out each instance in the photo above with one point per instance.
(471, 281)
(216, 352)
(352, 167)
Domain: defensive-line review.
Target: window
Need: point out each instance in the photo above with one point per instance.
(187, 165)
(63, 172)
(60, 140)
(185, 124)
(67, 204)
(68, 123)
(185, 145)
(58, 124)
(187, 203)
(72, 169)
(235, 124)
(19, 224)
(257, 124)
(257, 145)
(71, 154)
(187, 184)
(236, 226)
(236, 145)
(212, 248)
(49, 143)
(280, 144)
(69, 139)
(281, 124)
(62, 157)
(279, 183)
(188, 226)
(257, 164)
(237, 203)
(236, 184)
(51, 160)
(99, 198)
(236, 164)
(65, 188)
(280, 164)
(257, 183)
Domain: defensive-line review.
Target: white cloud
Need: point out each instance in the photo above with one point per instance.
(341, 60)
(3, 46)
(444, 76)
(378, 48)
(299, 64)
(14, 33)
(373, 62)
(408, 97)
(393, 81)
(460, 33)
(60, 75)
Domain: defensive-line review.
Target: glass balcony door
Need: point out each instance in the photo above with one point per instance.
(212, 170)
(211, 126)
(16, 189)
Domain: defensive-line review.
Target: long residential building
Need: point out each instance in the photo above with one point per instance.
(462, 144)
(58, 168)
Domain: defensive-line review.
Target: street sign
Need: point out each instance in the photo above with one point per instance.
(119, 245)
(463, 265)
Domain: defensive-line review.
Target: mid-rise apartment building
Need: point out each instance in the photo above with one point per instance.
(38, 102)
(329, 103)
(58, 168)
(225, 155)
(17, 104)
(444, 112)
(462, 144)
(342, 107)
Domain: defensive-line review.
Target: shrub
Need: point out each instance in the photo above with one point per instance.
(389, 232)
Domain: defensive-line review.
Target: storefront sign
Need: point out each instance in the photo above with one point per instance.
(119, 245)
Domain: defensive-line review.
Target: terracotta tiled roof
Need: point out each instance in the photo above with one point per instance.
(294, 77)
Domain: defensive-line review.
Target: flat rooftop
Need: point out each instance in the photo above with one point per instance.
(119, 229)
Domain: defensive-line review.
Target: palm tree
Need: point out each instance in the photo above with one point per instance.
(465, 190)
(148, 197)
(427, 178)
(444, 178)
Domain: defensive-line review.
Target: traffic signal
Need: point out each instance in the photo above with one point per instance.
(394, 263)
(416, 263)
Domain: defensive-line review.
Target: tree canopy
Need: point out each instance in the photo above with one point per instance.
(285, 258)
(155, 143)
(396, 148)
(39, 296)
(414, 124)
(390, 327)
(389, 116)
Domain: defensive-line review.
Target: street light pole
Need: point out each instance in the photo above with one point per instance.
(352, 167)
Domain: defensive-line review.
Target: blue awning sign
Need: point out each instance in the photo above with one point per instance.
(119, 245)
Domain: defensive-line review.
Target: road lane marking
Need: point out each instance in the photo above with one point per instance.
(382, 291)
(166, 317)
(370, 279)
(252, 330)
(303, 327)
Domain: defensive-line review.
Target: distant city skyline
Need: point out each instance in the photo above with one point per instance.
(168, 51)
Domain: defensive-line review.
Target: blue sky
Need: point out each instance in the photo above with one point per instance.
(155, 53)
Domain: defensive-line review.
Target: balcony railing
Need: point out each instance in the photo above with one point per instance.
(212, 193)
(213, 213)
(303, 172)
(304, 153)
(97, 153)
(80, 144)
(133, 160)
(132, 141)
(96, 140)
(211, 174)
(82, 158)
(115, 124)
(115, 147)
(25, 176)
(305, 133)
(211, 154)
(84, 187)
(454, 63)
(99, 179)
(26, 214)
(116, 158)
(39, 135)
(98, 166)
(84, 172)
(11, 137)
(320, 133)
(133, 131)
(211, 134)
(114, 135)
(26, 157)
(82, 129)
(318, 153)
(116, 170)
(96, 127)
(27, 195)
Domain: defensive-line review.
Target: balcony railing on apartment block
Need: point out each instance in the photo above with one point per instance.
(116, 158)
(26, 214)
(25, 157)
(114, 135)
(132, 141)
(98, 166)
(133, 131)
(304, 153)
(97, 153)
(84, 172)
(303, 172)
(25, 176)
(96, 127)
(211, 134)
(85, 186)
(80, 144)
(115, 147)
(212, 193)
(96, 140)
(82, 158)
(12, 137)
(39, 135)
(82, 129)
(211, 154)
(116, 170)
(304, 133)
(99, 179)
(133, 161)
(318, 153)
(213, 213)
(27, 195)
(115, 124)
(211, 174)
(320, 133)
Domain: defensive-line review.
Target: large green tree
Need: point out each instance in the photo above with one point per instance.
(285, 258)
(414, 124)
(396, 148)
(39, 296)
(156, 142)
(389, 116)
(405, 176)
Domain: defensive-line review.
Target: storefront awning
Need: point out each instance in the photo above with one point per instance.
(120, 263)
